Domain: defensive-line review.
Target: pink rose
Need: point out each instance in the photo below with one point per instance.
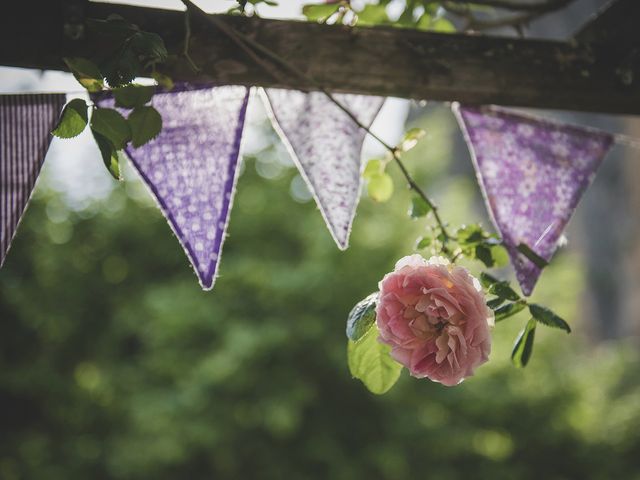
(434, 316)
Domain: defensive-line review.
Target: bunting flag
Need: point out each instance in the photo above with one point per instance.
(532, 173)
(191, 167)
(325, 144)
(26, 122)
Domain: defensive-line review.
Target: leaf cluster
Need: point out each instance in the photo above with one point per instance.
(134, 51)
(506, 303)
(379, 183)
(420, 15)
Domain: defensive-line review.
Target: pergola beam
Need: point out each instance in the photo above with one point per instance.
(473, 69)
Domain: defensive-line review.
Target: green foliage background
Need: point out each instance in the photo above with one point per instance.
(114, 365)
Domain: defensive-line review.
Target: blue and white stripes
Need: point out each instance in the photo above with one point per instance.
(26, 122)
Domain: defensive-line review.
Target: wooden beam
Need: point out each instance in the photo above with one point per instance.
(382, 61)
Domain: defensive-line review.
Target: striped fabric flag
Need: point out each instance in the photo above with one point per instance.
(25, 125)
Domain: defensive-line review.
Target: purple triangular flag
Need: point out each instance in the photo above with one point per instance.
(326, 145)
(533, 173)
(191, 167)
(26, 122)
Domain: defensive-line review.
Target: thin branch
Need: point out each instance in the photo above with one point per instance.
(187, 40)
(240, 39)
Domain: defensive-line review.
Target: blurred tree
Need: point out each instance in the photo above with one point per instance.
(114, 365)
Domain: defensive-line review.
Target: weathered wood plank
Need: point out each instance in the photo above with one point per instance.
(380, 61)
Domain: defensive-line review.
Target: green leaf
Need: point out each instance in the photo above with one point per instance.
(380, 187)
(523, 347)
(372, 15)
(442, 25)
(370, 361)
(122, 67)
(149, 47)
(406, 18)
(509, 310)
(435, 23)
(319, 12)
(110, 124)
(146, 124)
(86, 72)
(163, 80)
(495, 303)
(362, 317)
(424, 22)
(374, 167)
(470, 234)
(109, 154)
(488, 280)
(73, 119)
(537, 260)
(419, 207)
(500, 255)
(483, 253)
(548, 318)
(131, 96)
(411, 139)
(503, 290)
(423, 242)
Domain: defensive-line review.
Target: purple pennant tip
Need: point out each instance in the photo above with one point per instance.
(191, 167)
(532, 173)
(325, 144)
(26, 122)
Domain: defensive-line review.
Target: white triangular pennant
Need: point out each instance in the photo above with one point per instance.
(326, 145)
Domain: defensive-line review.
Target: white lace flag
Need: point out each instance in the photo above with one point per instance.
(325, 145)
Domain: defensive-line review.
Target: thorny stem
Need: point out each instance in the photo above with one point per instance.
(244, 42)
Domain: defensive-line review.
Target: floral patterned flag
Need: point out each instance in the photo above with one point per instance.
(26, 122)
(326, 145)
(191, 167)
(532, 173)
